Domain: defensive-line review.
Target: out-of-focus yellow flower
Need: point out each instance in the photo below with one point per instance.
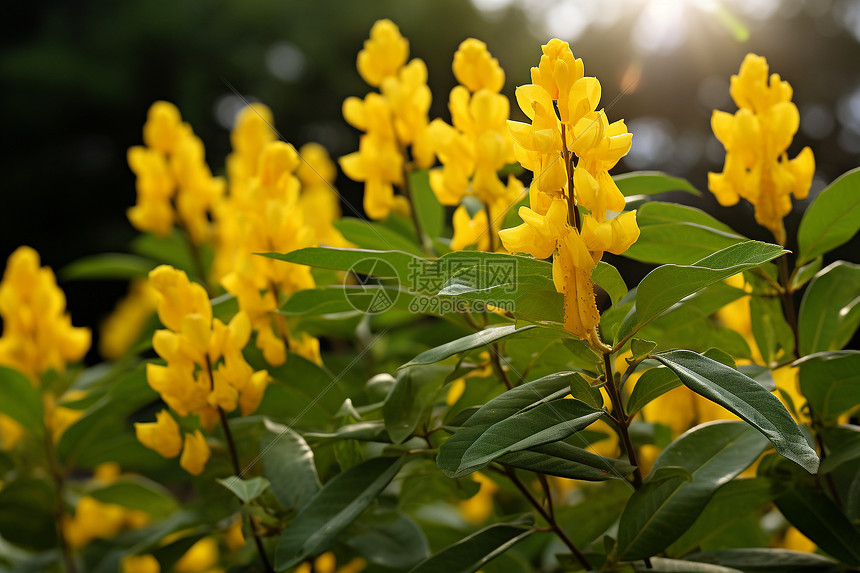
(482, 370)
(319, 202)
(326, 563)
(570, 154)
(477, 144)
(756, 138)
(94, 519)
(140, 564)
(162, 435)
(796, 541)
(120, 330)
(268, 217)
(234, 538)
(58, 418)
(392, 120)
(384, 53)
(470, 230)
(478, 508)
(107, 472)
(37, 331)
(202, 557)
(11, 432)
(195, 454)
(174, 183)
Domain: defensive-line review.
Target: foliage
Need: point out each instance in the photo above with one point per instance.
(413, 395)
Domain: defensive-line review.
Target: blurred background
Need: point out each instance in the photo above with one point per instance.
(78, 78)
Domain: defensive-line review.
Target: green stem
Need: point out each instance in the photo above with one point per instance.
(788, 303)
(621, 419)
(549, 517)
(59, 508)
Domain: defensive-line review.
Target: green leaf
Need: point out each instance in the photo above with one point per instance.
(661, 511)
(651, 182)
(831, 382)
(773, 335)
(390, 539)
(336, 505)
(745, 398)
(832, 219)
(369, 235)
(813, 513)
(470, 342)
(651, 385)
(609, 279)
(27, 515)
(761, 560)
(582, 390)
(565, 460)
(845, 452)
(21, 401)
(288, 462)
(672, 233)
(245, 489)
(474, 447)
(830, 309)
(731, 503)
(409, 398)
(370, 431)
(640, 349)
(138, 492)
(663, 565)
(108, 266)
(476, 550)
(804, 273)
(405, 266)
(668, 284)
(430, 212)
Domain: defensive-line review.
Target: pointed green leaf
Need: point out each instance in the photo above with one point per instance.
(831, 382)
(476, 550)
(470, 342)
(245, 489)
(663, 565)
(288, 462)
(668, 284)
(336, 505)
(651, 182)
(409, 398)
(138, 492)
(108, 266)
(830, 309)
(773, 335)
(370, 431)
(832, 218)
(20, 400)
(766, 560)
(660, 512)
(609, 279)
(368, 235)
(564, 460)
(390, 539)
(745, 398)
(804, 273)
(672, 233)
(651, 385)
(522, 398)
(847, 449)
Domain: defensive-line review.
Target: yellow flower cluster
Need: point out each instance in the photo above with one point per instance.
(326, 563)
(205, 368)
(756, 138)
(475, 147)
(202, 557)
(548, 146)
(96, 520)
(268, 211)
(174, 183)
(391, 120)
(121, 329)
(37, 332)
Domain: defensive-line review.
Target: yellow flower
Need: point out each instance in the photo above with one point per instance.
(326, 563)
(121, 329)
(11, 432)
(37, 332)
(478, 508)
(195, 454)
(201, 557)
(162, 435)
(476, 69)
(470, 230)
(383, 54)
(234, 537)
(576, 145)
(94, 519)
(756, 139)
(796, 541)
(140, 564)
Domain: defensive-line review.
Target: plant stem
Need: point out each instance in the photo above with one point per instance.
(497, 365)
(572, 211)
(622, 422)
(548, 516)
(413, 211)
(59, 509)
(490, 232)
(237, 470)
(788, 304)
